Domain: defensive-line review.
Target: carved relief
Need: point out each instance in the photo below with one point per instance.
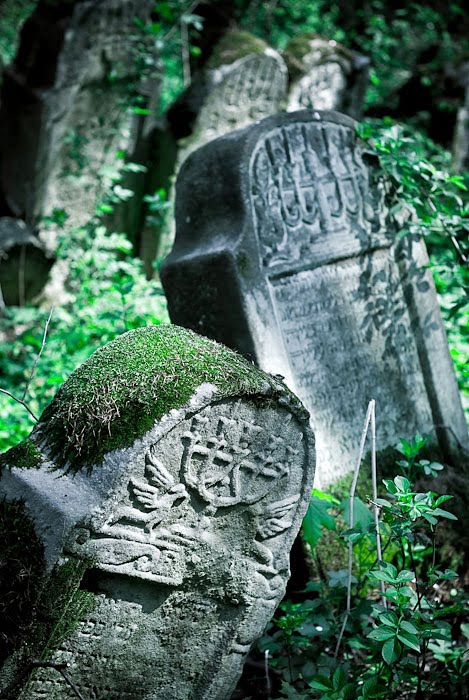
(309, 189)
(250, 89)
(217, 469)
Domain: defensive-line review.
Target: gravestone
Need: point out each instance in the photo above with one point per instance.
(286, 251)
(24, 263)
(325, 75)
(64, 106)
(244, 82)
(461, 136)
(165, 483)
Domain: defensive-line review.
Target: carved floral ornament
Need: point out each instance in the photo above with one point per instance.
(217, 475)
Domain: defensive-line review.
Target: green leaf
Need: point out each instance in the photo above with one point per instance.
(320, 683)
(444, 514)
(381, 634)
(391, 651)
(339, 678)
(362, 515)
(317, 517)
(408, 627)
(389, 619)
(410, 640)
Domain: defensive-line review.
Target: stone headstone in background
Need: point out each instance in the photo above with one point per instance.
(244, 81)
(285, 250)
(65, 110)
(325, 75)
(461, 135)
(24, 263)
(167, 479)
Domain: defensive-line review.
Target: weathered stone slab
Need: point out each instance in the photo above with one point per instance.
(325, 75)
(65, 105)
(24, 263)
(245, 81)
(286, 250)
(169, 478)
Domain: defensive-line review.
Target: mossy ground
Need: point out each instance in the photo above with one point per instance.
(127, 385)
(233, 46)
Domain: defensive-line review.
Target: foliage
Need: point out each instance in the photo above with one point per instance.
(431, 201)
(107, 295)
(409, 640)
(12, 15)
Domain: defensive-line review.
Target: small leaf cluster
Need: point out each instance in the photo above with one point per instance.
(405, 634)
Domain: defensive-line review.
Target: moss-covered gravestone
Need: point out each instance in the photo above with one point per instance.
(287, 251)
(325, 75)
(162, 489)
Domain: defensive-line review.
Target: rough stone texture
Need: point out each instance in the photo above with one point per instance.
(24, 264)
(64, 110)
(245, 81)
(285, 251)
(184, 533)
(325, 75)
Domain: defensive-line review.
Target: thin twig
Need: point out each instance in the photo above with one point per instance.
(350, 544)
(171, 31)
(186, 64)
(268, 685)
(375, 496)
(4, 391)
(38, 356)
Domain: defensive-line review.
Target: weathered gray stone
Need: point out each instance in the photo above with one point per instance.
(184, 528)
(286, 251)
(253, 85)
(461, 136)
(65, 108)
(325, 75)
(24, 263)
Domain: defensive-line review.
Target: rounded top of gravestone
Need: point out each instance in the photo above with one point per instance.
(127, 385)
(234, 45)
(306, 50)
(14, 232)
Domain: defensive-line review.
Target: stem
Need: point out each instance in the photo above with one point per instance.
(351, 497)
(268, 685)
(186, 66)
(4, 391)
(38, 356)
(375, 496)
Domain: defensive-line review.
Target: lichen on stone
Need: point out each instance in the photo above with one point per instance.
(300, 45)
(127, 385)
(233, 46)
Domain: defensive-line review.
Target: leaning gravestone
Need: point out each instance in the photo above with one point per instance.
(325, 75)
(285, 250)
(64, 105)
(165, 484)
(245, 81)
(24, 263)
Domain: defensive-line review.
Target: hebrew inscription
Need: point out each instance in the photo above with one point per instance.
(340, 363)
(311, 197)
(250, 89)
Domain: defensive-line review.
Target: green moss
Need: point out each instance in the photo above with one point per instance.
(26, 455)
(233, 46)
(127, 385)
(22, 567)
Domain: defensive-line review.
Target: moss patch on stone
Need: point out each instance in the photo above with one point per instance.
(22, 567)
(233, 46)
(127, 385)
(26, 455)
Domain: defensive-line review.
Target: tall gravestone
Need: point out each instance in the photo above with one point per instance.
(164, 485)
(65, 107)
(286, 250)
(325, 75)
(244, 82)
